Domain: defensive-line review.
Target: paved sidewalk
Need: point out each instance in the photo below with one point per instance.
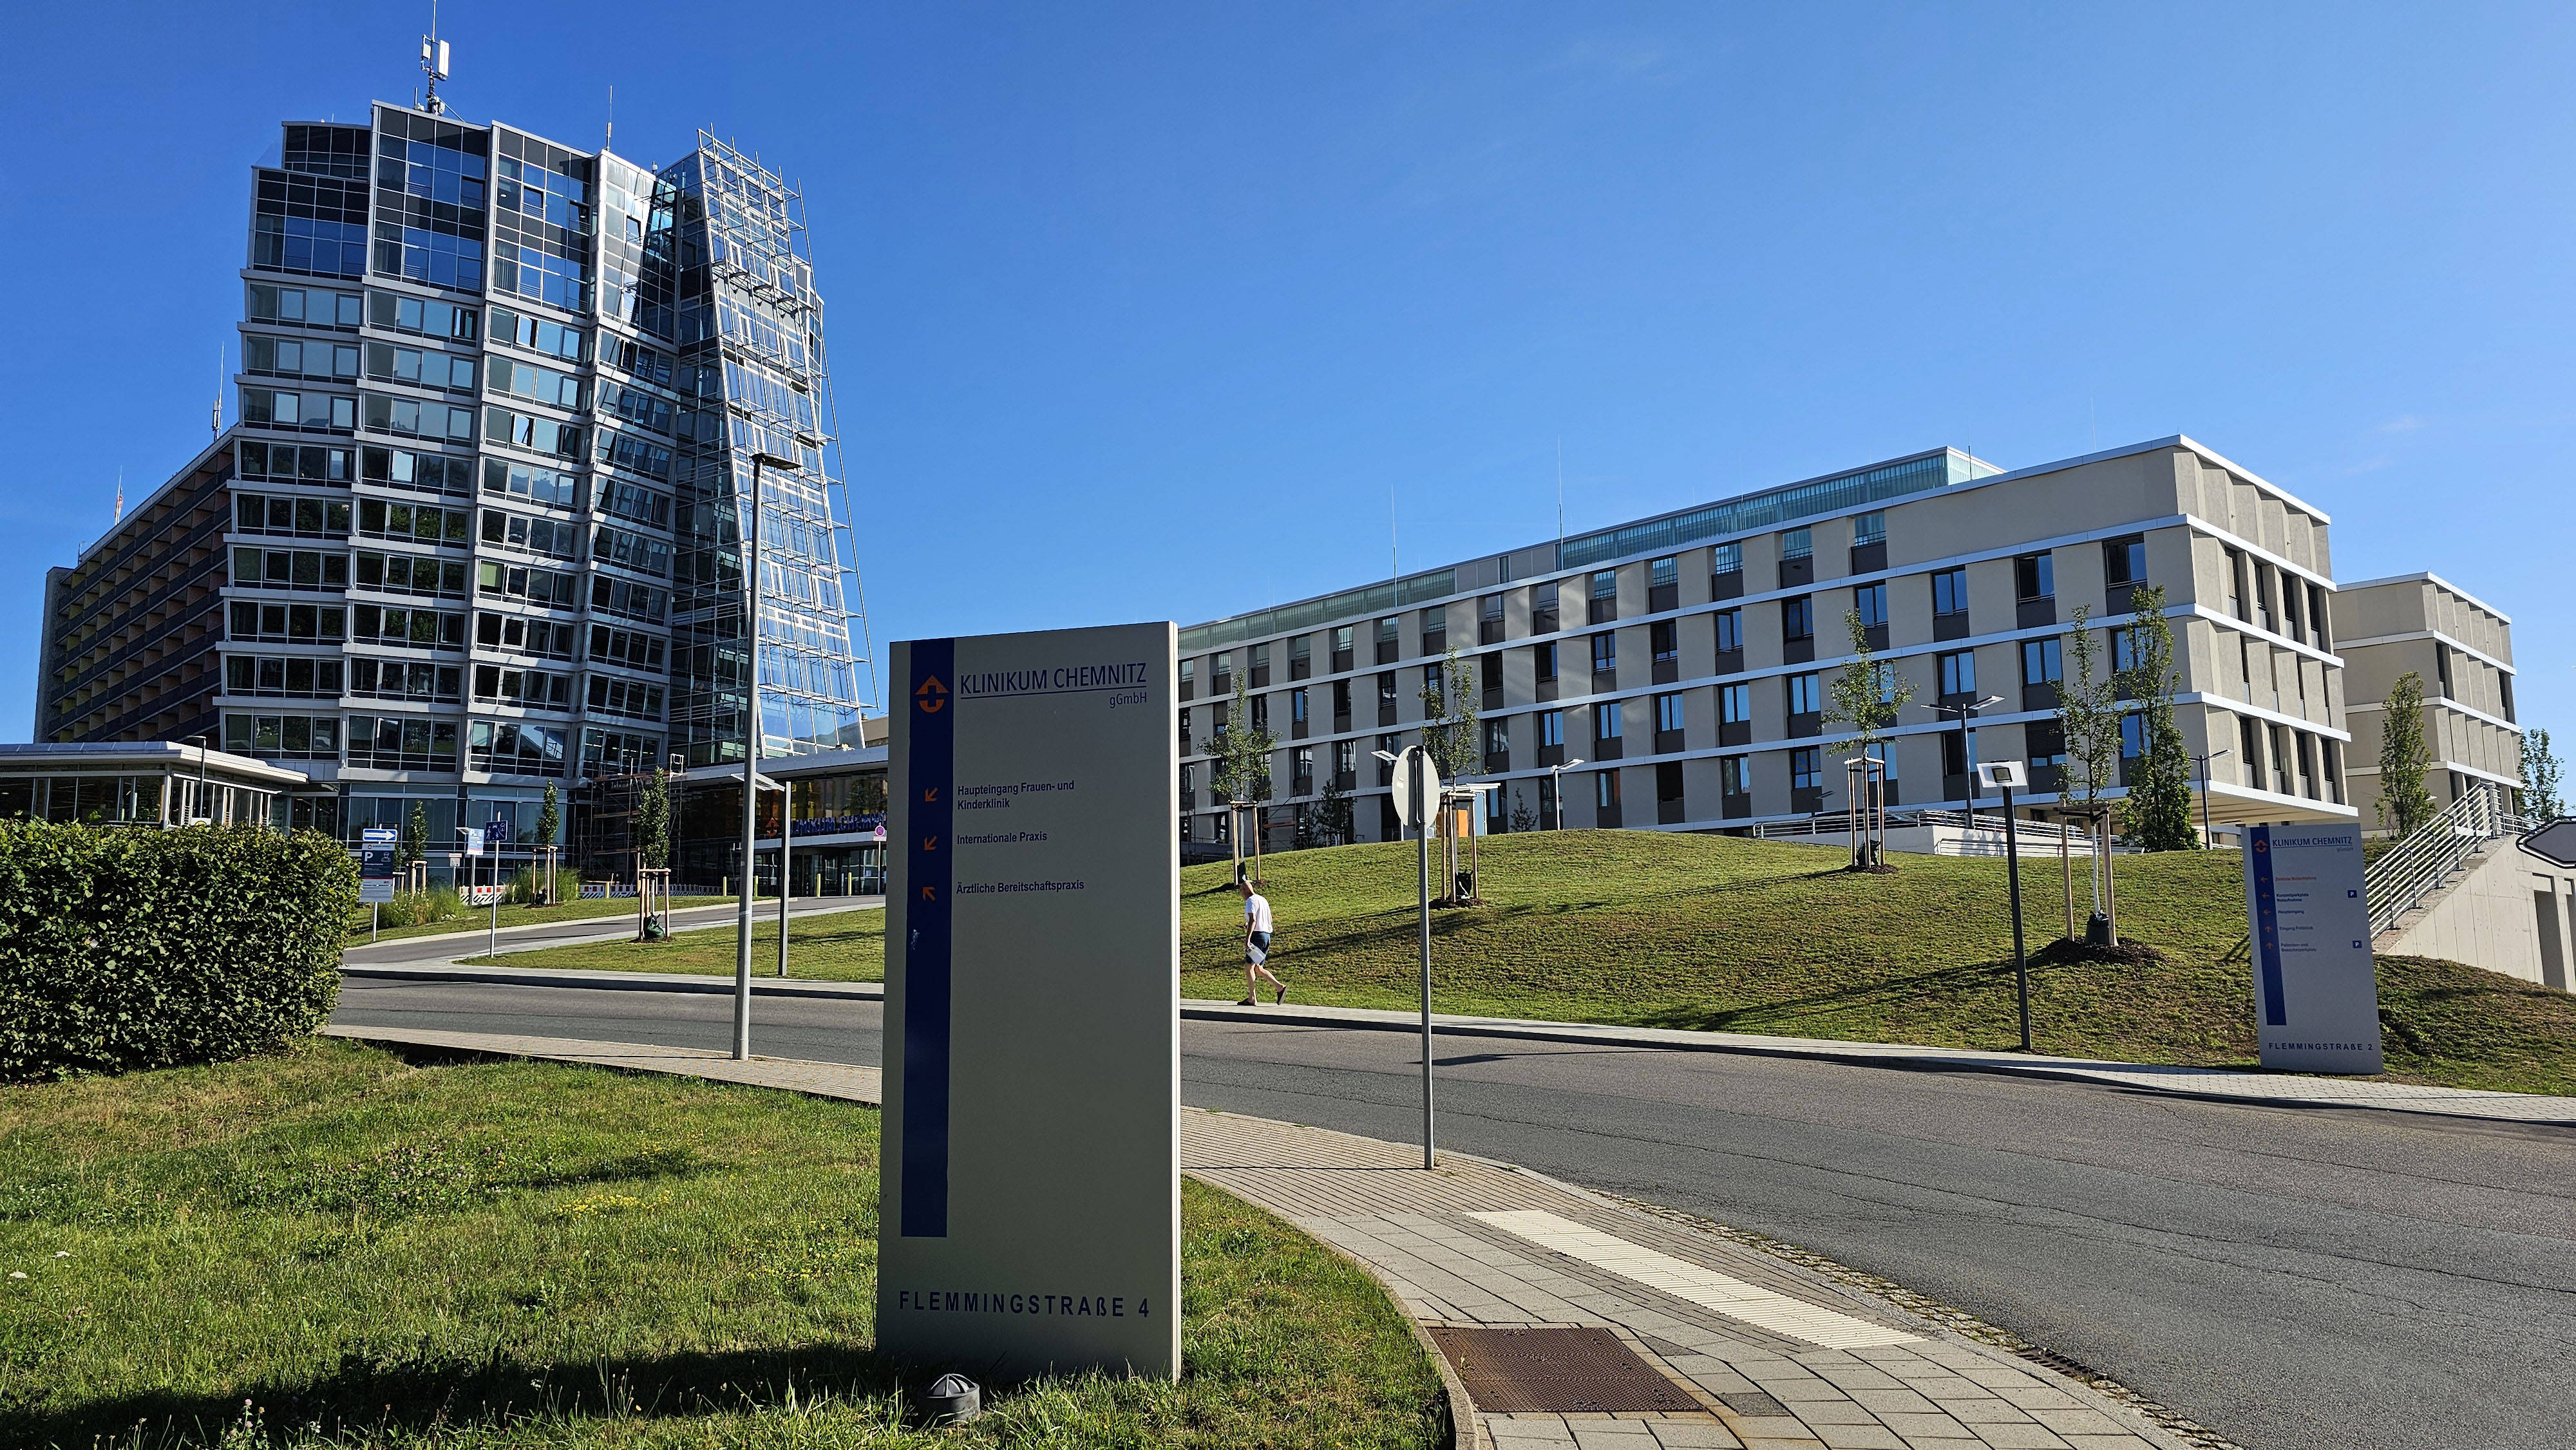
(1772, 1356)
(2217, 1084)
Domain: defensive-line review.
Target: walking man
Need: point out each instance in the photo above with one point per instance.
(1256, 947)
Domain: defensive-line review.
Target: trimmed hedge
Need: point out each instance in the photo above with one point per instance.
(126, 949)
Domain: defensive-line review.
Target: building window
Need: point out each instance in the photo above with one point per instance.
(1301, 653)
(1545, 655)
(1871, 601)
(1346, 757)
(1798, 617)
(1730, 631)
(1605, 720)
(1732, 777)
(1950, 592)
(1342, 647)
(2040, 661)
(2124, 561)
(1664, 573)
(1726, 559)
(1734, 704)
(1605, 652)
(1605, 789)
(1805, 698)
(1806, 768)
(1959, 673)
(1870, 528)
(1797, 543)
(1667, 643)
(1668, 713)
(2035, 576)
(1551, 728)
(1543, 607)
(2046, 741)
(1605, 584)
(1498, 737)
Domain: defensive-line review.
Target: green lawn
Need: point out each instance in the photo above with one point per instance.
(844, 946)
(1752, 936)
(374, 1253)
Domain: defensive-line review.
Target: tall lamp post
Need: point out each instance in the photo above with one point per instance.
(750, 756)
(1965, 712)
(2205, 757)
(1556, 789)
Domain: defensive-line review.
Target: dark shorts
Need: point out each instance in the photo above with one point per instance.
(1260, 950)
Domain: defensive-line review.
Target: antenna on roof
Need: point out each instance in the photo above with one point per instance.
(215, 417)
(120, 495)
(433, 62)
(611, 142)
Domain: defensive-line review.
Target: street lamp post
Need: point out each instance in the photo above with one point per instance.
(1967, 754)
(2205, 757)
(200, 742)
(750, 756)
(1556, 788)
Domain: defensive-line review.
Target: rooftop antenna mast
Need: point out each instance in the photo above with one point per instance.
(433, 63)
(215, 417)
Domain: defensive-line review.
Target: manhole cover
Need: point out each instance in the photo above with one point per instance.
(1556, 1371)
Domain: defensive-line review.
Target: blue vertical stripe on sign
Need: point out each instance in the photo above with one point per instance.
(2267, 931)
(932, 699)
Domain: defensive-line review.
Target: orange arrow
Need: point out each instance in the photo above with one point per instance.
(930, 893)
(930, 794)
(930, 843)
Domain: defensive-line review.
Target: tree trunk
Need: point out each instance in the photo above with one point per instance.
(2066, 868)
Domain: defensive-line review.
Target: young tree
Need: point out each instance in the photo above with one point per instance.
(653, 823)
(1449, 720)
(2088, 714)
(2404, 803)
(1449, 738)
(2157, 814)
(1239, 763)
(550, 817)
(2539, 778)
(1523, 818)
(1333, 814)
(415, 839)
(1867, 695)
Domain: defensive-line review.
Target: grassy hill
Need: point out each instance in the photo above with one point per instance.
(1754, 936)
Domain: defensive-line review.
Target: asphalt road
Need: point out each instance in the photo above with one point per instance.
(2294, 1277)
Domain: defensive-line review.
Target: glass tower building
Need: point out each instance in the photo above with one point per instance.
(479, 526)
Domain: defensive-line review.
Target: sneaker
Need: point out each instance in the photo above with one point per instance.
(1249, 1002)
(1283, 994)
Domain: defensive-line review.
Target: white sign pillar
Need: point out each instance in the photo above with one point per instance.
(2316, 990)
(1029, 1197)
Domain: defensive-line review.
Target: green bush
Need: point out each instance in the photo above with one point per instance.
(128, 948)
(420, 908)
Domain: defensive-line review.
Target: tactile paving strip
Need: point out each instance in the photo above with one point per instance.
(1574, 1371)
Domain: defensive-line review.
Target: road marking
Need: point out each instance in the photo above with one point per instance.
(1760, 1307)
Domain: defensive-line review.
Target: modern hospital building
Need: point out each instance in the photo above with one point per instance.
(1687, 660)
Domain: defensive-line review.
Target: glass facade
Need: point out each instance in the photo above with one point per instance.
(506, 440)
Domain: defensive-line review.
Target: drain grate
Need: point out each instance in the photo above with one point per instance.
(1557, 1371)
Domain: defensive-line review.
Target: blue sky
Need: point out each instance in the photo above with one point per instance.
(1166, 312)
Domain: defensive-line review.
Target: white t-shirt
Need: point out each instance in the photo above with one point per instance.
(1256, 910)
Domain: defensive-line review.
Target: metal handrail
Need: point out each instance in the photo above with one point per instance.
(2408, 874)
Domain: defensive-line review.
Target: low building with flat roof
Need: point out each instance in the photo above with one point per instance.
(152, 783)
(1675, 673)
